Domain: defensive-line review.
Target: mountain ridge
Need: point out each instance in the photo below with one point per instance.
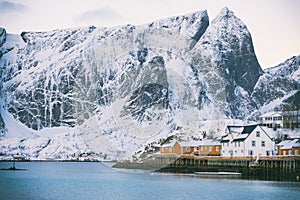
(116, 89)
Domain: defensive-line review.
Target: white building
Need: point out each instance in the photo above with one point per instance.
(272, 120)
(249, 140)
(281, 119)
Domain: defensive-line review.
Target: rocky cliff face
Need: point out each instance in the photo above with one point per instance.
(226, 58)
(278, 87)
(118, 88)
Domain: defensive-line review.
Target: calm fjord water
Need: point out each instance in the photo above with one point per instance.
(64, 180)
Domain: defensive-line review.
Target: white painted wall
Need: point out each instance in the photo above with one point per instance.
(259, 149)
(241, 148)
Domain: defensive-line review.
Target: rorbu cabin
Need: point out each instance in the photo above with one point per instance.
(289, 147)
(189, 147)
(179, 148)
(209, 148)
(172, 148)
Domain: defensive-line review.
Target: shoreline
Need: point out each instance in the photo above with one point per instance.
(247, 173)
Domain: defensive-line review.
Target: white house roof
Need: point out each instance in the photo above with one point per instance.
(271, 114)
(289, 144)
(240, 133)
(269, 131)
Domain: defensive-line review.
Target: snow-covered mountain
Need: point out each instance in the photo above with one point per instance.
(112, 91)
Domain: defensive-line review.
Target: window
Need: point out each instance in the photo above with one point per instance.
(210, 148)
(296, 152)
(188, 149)
(239, 144)
(263, 143)
(201, 148)
(267, 153)
(242, 151)
(257, 134)
(253, 143)
(162, 149)
(217, 148)
(234, 144)
(277, 118)
(290, 152)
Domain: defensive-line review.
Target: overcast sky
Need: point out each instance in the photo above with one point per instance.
(273, 24)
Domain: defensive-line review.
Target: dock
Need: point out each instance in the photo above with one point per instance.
(266, 167)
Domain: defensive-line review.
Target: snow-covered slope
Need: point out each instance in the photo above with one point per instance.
(278, 88)
(111, 91)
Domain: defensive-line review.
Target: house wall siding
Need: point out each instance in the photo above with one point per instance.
(233, 149)
(177, 148)
(259, 149)
(205, 150)
(191, 150)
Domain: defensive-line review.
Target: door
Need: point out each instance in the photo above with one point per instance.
(250, 153)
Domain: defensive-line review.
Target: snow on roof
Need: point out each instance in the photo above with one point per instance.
(192, 143)
(242, 129)
(270, 131)
(289, 144)
(269, 114)
(225, 139)
(210, 142)
(297, 144)
(240, 133)
(282, 143)
(171, 144)
(237, 129)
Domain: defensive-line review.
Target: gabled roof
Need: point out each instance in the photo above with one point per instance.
(243, 132)
(270, 114)
(242, 129)
(171, 144)
(225, 139)
(249, 129)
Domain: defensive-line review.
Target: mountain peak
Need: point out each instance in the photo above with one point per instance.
(228, 39)
(226, 12)
(127, 85)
